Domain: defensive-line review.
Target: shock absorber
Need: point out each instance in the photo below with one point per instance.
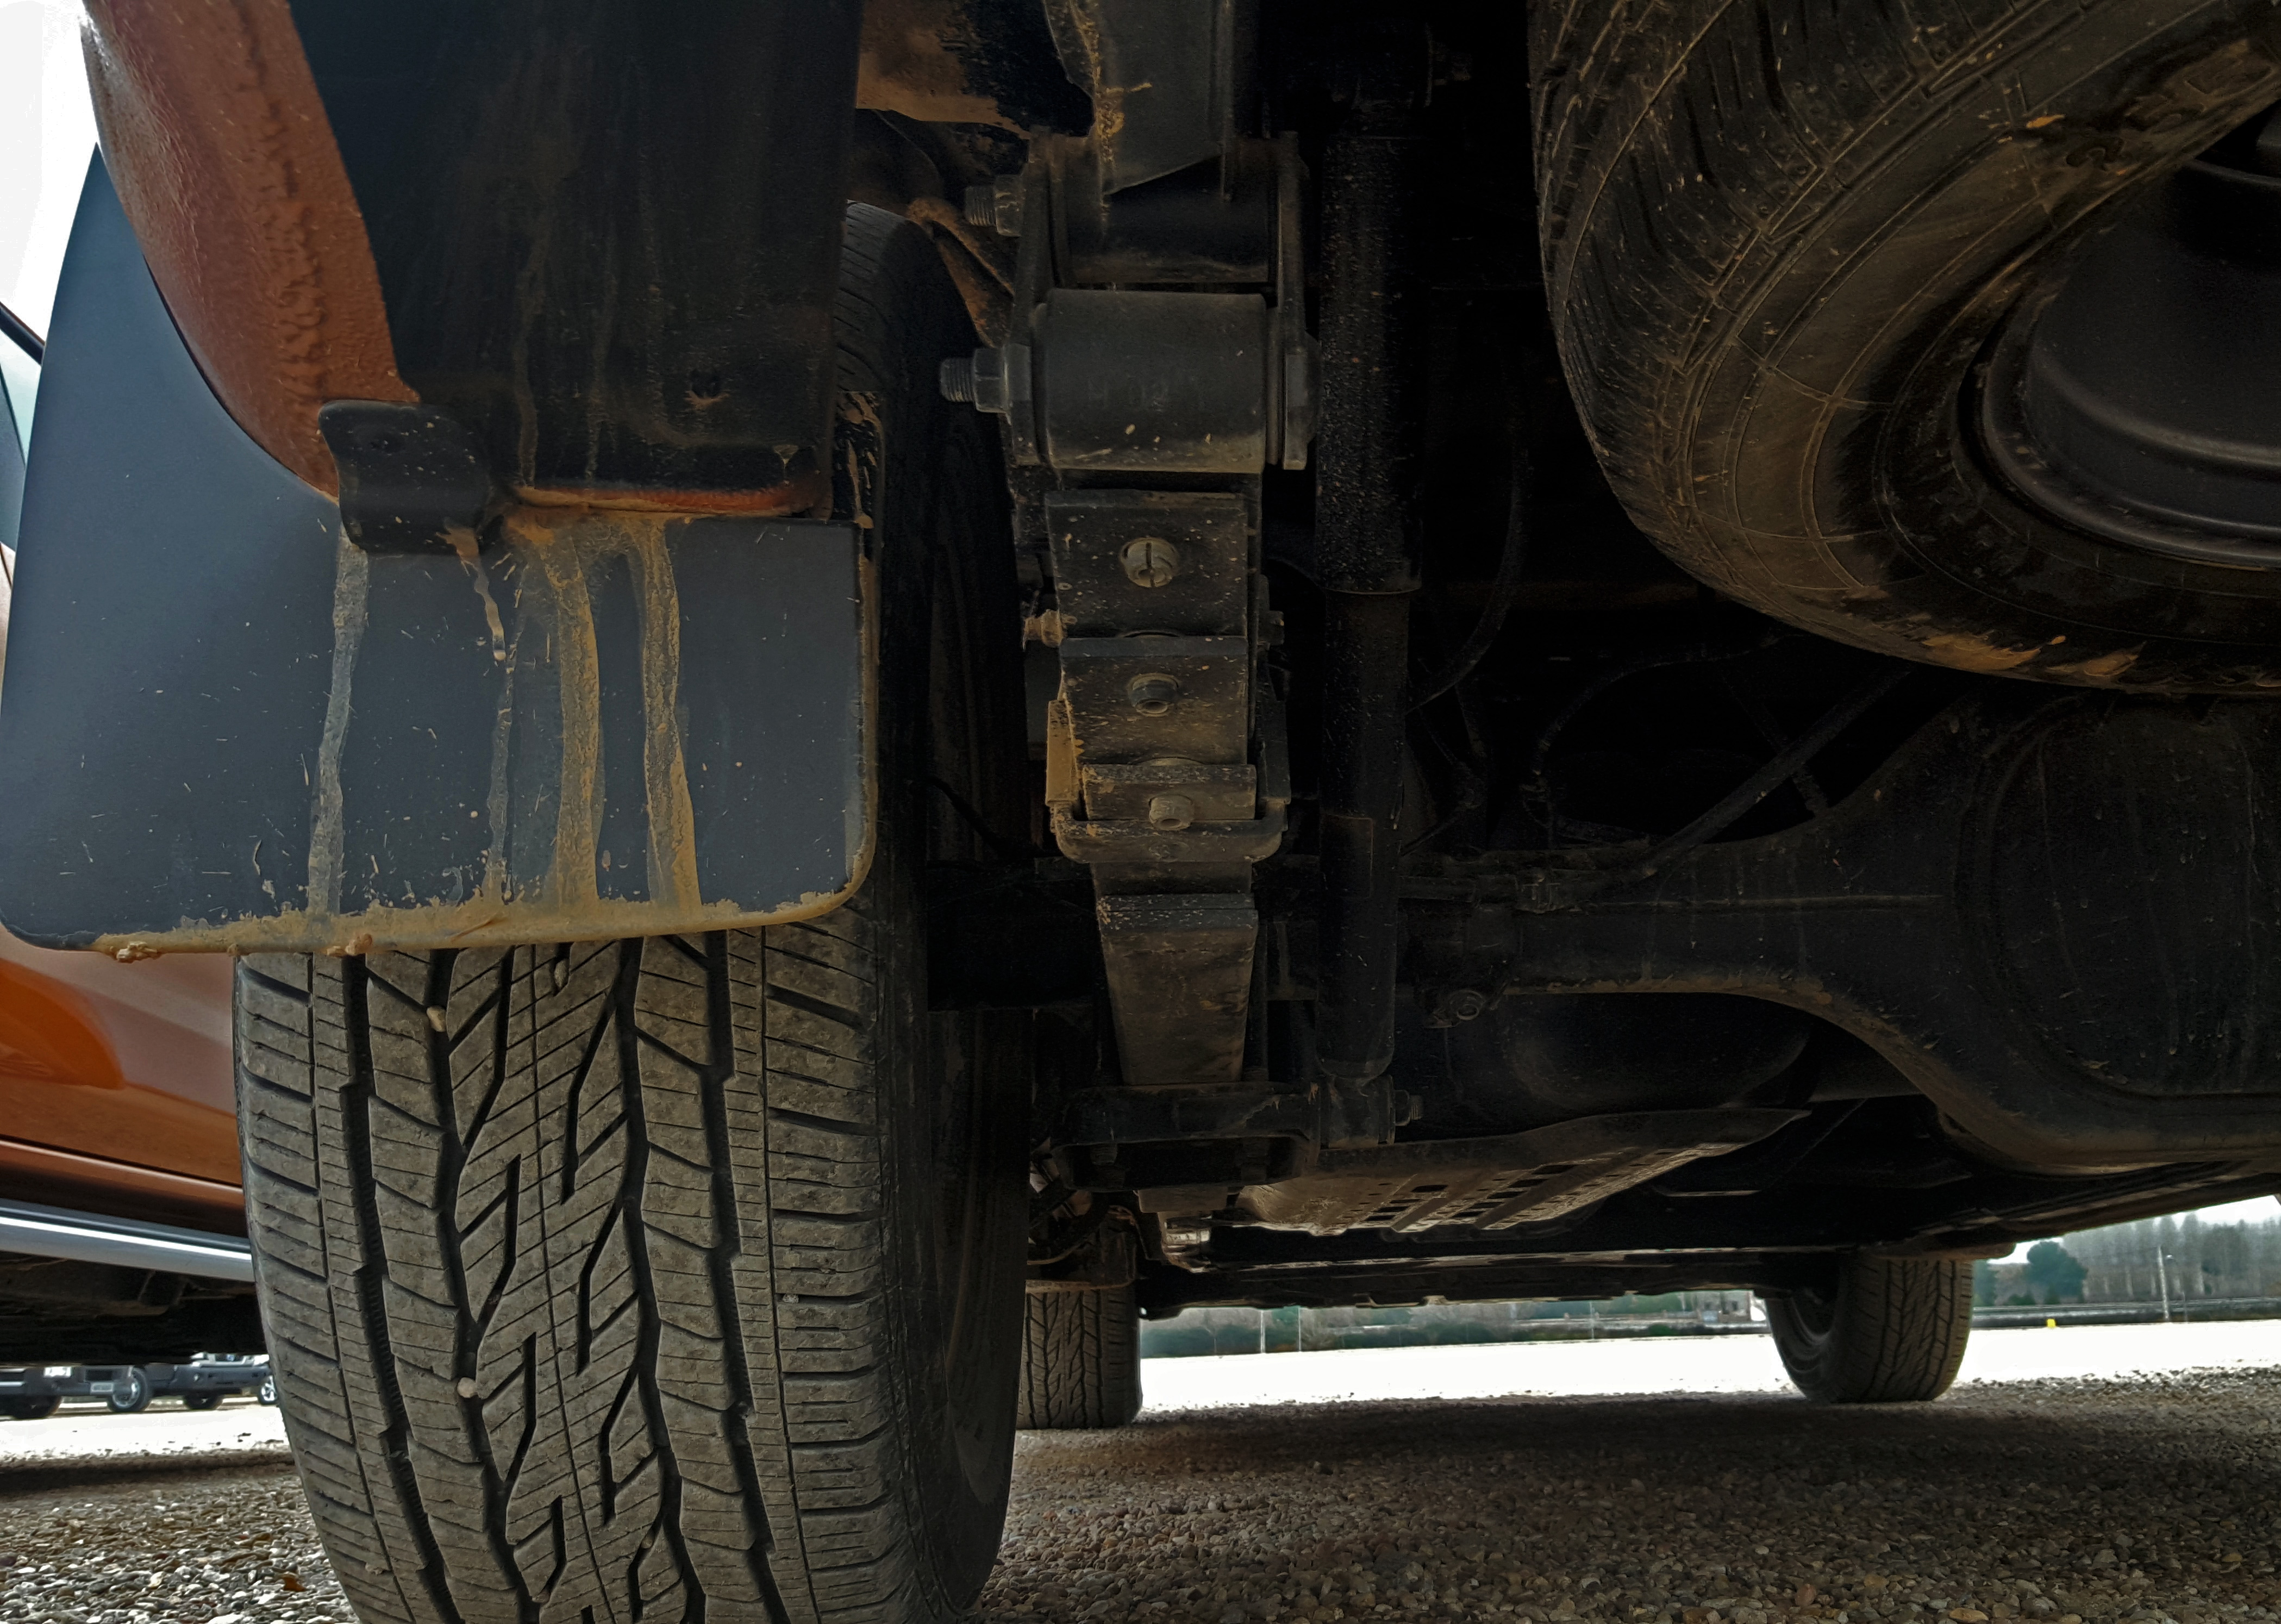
(1366, 509)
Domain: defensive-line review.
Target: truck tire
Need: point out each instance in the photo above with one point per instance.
(681, 1278)
(1885, 1330)
(1779, 239)
(202, 1400)
(30, 1409)
(1080, 1359)
(131, 1391)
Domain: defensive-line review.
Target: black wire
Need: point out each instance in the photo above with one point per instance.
(1472, 792)
(16, 327)
(1013, 851)
(1768, 778)
(1694, 654)
(1505, 591)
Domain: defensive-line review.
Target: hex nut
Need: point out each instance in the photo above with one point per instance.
(1170, 812)
(1150, 561)
(1153, 693)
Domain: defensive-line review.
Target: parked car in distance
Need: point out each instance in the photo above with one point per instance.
(35, 1392)
(201, 1383)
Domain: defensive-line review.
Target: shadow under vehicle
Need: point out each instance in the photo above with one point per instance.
(867, 689)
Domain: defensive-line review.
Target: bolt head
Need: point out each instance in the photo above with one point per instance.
(1153, 693)
(1170, 812)
(1149, 560)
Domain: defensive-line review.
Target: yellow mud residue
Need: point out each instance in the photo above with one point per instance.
(1970, 654)
(352, 579)
(554, 543)
(665, 772)
(479, 922)
(2106, 668)
(907, 64)
(557, 553)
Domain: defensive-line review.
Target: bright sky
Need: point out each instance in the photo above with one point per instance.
(46, 133)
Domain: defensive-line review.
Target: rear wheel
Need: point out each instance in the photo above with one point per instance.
(30, 1409)
(681, 1278)
(1081, 1359)
(130, 1391)
(1882, 1330)
(202, 1400)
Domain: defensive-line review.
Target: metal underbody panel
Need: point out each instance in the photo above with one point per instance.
(1497, 1183)
(228, 727)
(2046, 913)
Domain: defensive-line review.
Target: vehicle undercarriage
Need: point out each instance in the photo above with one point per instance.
(1408, 654)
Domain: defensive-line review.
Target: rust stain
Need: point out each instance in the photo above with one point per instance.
(1968, 653)
(909, 63)
(797, 495)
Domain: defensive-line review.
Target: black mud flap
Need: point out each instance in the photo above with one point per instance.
(225, 727)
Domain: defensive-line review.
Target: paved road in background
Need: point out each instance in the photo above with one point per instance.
(2076, 1476)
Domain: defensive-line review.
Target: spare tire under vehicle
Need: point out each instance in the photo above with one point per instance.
(683, 1278)
(1783, 240)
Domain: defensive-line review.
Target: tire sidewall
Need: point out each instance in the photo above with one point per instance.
(1784, 406)
(1805, 1327)
(954, 1088)
(1965, 548)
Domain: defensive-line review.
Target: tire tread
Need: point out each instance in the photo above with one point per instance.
(1080, 1359)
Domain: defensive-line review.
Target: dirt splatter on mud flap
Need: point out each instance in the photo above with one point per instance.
(226, 727)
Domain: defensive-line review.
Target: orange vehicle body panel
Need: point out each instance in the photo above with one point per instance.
(115, 1086)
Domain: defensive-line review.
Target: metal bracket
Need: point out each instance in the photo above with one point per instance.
(412, 479)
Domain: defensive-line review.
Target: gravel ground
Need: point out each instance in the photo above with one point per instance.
(2064, 1500)
(145, 1540)
(2060, 1500)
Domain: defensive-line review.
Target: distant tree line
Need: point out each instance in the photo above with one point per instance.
(2155, 1260)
